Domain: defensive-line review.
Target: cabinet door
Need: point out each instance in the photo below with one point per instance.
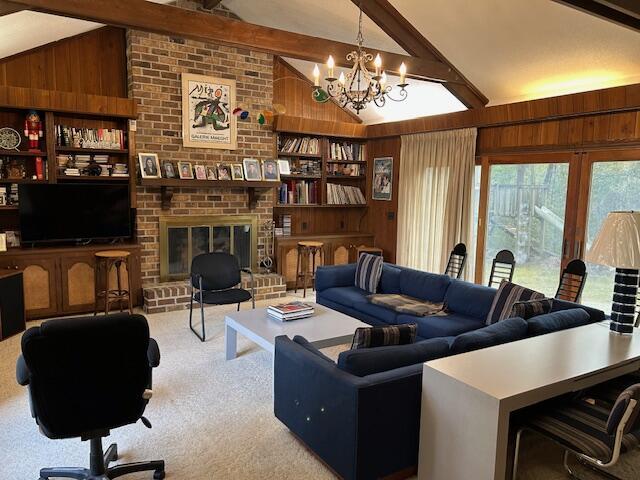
(78, 284)
(40, 296)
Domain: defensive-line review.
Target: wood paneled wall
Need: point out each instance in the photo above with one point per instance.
(92, 63)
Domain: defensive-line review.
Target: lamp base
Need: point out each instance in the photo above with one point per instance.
(625, 294)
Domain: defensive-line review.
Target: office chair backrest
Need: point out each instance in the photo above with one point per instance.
(622, 404)
(572, 281)
(219, 271)
(457, 260)
(502, 268)
(87, 374)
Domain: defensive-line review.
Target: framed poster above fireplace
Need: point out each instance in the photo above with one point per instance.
(207, 118)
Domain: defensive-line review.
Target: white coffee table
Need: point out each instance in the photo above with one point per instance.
(325, 328)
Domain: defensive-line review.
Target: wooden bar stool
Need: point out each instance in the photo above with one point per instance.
(308, 249)
(105, 260)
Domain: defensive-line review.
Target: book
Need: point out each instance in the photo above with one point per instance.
(289, 317)
(291, 307)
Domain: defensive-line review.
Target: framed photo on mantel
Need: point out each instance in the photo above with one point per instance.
(207, 118)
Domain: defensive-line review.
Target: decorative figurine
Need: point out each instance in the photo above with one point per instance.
(33, 130)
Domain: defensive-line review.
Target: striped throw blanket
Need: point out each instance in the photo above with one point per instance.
(406, 304)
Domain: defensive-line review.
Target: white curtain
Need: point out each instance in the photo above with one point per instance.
(435, 198)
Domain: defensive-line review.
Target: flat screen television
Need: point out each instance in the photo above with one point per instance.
(56, 212)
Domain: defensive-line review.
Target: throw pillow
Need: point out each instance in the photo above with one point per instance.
(508, 294)
(369, 337)
(368, 272)
(531, 308)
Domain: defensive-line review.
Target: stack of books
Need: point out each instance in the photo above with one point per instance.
(120, 170)
(81, 163)
(290, 311)
(344, 195)
(345, 151)
(103, 163)
(302, 145)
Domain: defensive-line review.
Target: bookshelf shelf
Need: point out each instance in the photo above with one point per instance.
(16, 153)
(8, 207)
(347, 162)
(300, 155)
(89, 151)
(301, 177)
(346, 177)
(87, 178)
(5, 181)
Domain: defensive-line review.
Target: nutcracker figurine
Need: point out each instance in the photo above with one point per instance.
(33, 130)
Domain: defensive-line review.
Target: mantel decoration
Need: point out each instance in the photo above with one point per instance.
(359, 87)
(207, 106)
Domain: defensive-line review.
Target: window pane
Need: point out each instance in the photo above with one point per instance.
(526, 215)
(614, 186)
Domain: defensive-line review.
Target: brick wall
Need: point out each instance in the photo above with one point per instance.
(155, 65)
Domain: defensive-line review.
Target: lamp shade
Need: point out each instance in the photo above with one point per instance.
(618, 241)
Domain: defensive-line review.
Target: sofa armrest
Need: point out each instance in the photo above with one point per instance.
(595, 315)
(23, 374)
(335, 276)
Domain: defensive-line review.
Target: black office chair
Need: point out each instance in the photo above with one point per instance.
(215, 280)
(502, 268)
(457, 261)
(85, 377)
(572, 281)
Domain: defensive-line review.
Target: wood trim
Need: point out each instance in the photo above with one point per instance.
(7, 8)
(179, 22)
(625, 13)
(481, 237)
(530, 157)
(286, 123)
(387, 17)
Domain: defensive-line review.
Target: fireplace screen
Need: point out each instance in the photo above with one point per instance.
(182, 238)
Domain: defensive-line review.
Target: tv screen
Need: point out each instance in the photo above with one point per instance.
(73, 212)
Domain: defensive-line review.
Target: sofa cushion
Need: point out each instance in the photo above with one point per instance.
(442, 326)
(368, 272)
(390, 279)
(508, 294)
(531, 308)
(303, 342)
(508, 330)
(328, 276)
(555, 321)
(424, 285)
(348, 296)
(369, 337)
(469, 299)
(373, 360)
(387, 315)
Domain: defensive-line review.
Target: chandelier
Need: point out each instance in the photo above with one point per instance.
(360, 86)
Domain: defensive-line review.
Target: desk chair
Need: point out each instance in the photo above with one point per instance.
(502, 268)
(572, 281)
(215, 280)
(457, 261)
(86, 376)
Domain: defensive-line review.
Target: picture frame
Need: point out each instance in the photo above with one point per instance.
(284, 167)
(149, 165)
(211, 173)
(207, 112)
(201, 173)
(169, 169)
(237, 173)
(270, 170)
(3, 242)
(224, 172)
(185, 171)
(382, 186)
(252, 170)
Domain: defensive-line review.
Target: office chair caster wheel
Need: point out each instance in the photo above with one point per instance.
(158, 475)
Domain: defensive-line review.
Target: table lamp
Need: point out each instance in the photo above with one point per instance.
(618, 245)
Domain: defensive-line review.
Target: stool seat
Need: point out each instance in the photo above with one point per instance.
(112, 253)
(310, 243)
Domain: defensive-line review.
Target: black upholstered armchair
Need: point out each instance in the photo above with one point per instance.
(215, 280)
(86, 376)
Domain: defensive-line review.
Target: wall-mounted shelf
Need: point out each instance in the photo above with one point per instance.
(167, 185)
(21, 153)
(300, 155)
(87, 178)
(20, 180)
(89, 151)
(315, 205)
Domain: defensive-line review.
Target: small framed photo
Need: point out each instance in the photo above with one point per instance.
(224, 172)
(211, 173)
(283, 167)
(169, 169)
(270, 170)
(149, 165)
(185, 171)
(236, 171)
(252, 169)
(3, 242)
(201, 173)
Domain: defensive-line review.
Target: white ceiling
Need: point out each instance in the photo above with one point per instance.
(511, 50)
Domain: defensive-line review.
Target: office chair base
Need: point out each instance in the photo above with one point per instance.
(100, 469)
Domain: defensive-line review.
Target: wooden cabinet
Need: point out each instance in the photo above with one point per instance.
(338, 249)
(60, 280)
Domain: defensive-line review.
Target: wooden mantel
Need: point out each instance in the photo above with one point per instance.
(167, 186)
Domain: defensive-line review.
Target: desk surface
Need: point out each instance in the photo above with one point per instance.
(516, 368)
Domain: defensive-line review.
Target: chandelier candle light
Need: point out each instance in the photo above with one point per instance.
(360, 86)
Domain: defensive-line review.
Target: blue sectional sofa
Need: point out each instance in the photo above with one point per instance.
(361, 415)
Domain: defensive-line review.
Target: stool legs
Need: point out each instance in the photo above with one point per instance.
(102, 291)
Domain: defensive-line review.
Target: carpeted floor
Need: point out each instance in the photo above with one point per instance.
(212, 419)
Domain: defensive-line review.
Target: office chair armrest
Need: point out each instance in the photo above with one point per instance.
(153, 353)
(23, 375)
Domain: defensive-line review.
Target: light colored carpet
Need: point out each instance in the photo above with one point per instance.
(212, 419)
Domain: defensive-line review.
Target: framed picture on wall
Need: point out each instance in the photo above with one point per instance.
(382, 178)
(224, 172)
(201, 173)
(211, 173)
(149, 165)
(207, 106)
(169, 169)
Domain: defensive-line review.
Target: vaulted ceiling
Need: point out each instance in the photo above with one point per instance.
(511, 50)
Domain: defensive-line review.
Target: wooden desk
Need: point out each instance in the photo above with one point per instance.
(12, 313)
(467, 399)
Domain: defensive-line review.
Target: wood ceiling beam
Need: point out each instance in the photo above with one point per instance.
(625, 13)
(415, 44)
(7, 8)
(178, 22)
